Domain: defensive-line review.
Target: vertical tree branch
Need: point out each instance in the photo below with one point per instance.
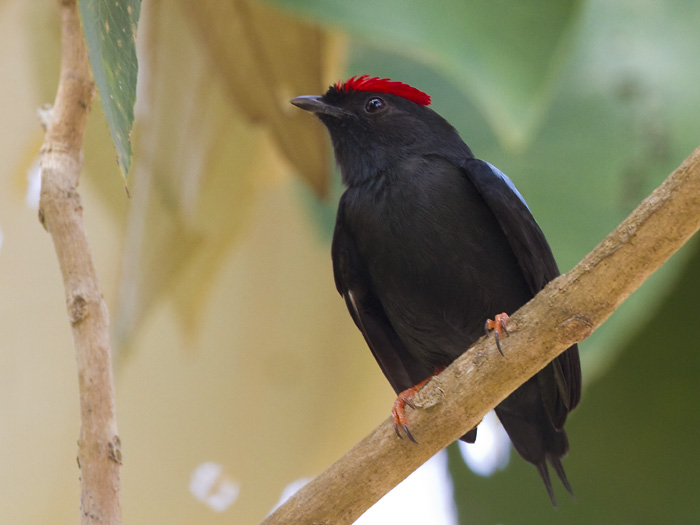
(60, 211)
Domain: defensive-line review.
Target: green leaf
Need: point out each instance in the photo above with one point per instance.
(110, 33)
(505, 55)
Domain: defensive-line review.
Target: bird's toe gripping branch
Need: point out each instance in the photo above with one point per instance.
(403, 399)
(498, 325)
(397, 411)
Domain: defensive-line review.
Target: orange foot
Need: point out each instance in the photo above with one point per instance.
(403, 399)
(498, 325)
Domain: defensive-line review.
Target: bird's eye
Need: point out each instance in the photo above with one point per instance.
(374, 104)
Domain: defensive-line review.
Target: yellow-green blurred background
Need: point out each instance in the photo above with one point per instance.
(233, 350)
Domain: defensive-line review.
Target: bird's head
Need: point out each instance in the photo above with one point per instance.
(375, 122)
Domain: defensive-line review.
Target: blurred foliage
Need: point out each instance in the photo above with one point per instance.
(224, 105)
(587, 105)
(504, 55)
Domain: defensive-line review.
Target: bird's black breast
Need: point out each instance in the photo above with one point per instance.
(435, 254)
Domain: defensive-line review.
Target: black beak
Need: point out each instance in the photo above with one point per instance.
(315, 104)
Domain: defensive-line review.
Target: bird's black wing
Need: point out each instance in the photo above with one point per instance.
(561, 381)
(354, 284)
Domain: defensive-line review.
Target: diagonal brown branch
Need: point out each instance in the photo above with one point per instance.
(568, 310)
(60, 211)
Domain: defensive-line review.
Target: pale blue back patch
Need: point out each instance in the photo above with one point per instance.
(507, 180)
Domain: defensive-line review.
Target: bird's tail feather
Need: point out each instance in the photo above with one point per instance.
(559, 469)
(544, 474)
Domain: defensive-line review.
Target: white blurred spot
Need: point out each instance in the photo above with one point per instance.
(290, 490)
(426, 496)
(45, 114)
(491, 451)
(209, 486)
(423, 497)
(33, 185)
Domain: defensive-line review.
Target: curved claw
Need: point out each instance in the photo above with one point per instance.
(403, 399)
(498, 343)
(498, 325)
(409, 435)
(396, 429)
(397, 414)
(407, 401)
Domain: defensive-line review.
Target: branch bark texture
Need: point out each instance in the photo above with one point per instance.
(567, 311)
(60, 211)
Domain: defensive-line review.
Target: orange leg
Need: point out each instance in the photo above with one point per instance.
(403, 399)
(498, 325)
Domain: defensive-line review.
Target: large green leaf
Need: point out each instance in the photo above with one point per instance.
(110, 33)
(506, 55)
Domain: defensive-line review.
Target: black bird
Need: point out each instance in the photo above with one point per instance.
(430, 243)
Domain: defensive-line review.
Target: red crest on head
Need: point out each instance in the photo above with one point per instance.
(384, 85)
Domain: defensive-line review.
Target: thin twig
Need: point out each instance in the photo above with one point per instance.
(567, 311)
(60, 211)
